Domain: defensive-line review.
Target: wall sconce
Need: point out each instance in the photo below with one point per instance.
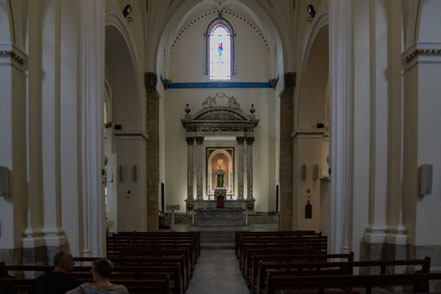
(311, 10)
(127, 9)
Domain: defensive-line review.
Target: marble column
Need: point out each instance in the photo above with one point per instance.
(240, 167)
(250, 141)
(286, 152)
(150, 80)
(190, 174)
(199, 166)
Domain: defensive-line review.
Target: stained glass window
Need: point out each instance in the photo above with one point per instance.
(220, 52)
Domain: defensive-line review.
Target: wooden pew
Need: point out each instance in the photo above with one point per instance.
(299, 245)
(276, 269)
(276, 257)
(147, 260)
(120, 273)
(240, 235)
(294, 284)
(154, 286)
(194, 236)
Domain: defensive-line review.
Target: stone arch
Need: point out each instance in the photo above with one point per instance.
(311, 136)
(127, 109)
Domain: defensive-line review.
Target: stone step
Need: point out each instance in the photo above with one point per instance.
(263, 219)
(217, 246)
(217, 237)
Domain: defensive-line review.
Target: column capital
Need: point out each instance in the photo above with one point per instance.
(250, 140)
(199, 140)
(190, 140)
(240, 140)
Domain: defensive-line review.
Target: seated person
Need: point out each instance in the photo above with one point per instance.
(101, 270)
(58, 281)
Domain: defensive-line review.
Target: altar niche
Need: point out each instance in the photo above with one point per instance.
(220, 171)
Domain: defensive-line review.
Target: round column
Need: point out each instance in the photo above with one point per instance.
(190, 174)
(240, 167)
(250, 141)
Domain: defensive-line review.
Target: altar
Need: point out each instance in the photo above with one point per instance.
(220, 161)
(215, 217)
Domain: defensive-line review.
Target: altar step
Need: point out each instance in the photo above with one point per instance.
(217, 240)
(263, 218)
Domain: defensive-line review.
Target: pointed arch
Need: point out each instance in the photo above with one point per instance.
(220, 24)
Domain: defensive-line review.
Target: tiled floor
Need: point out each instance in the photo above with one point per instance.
(217, 272)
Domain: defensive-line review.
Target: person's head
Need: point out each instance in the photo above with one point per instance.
(63, 261)
(102, 269)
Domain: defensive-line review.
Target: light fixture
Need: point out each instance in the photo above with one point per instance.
(126, 11)
(311, 10)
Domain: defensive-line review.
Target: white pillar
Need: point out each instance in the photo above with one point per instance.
(341, 81)
(199, 167)
(250, 141)
(396, 231)
(33, 235)
(54, 235)
(92, 94)
(190, 174)
(376, 233)
(240, 167)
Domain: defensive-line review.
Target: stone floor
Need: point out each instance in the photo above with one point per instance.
(217, 272)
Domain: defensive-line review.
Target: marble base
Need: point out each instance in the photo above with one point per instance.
(219, 217)
(229, 204)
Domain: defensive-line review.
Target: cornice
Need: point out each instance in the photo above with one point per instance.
(13, 55)
(309, 133)
(133, 134)
(422, 52)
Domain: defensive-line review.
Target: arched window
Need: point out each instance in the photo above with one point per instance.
(219, 63)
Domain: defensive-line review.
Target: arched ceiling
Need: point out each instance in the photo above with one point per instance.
(267, 16)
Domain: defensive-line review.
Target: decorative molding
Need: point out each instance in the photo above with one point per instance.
(421, 52)
(216, 119)
(135, 134)
(309, 132)
(216, 13)
(15, 56)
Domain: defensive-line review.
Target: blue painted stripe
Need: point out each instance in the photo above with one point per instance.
(217, 85)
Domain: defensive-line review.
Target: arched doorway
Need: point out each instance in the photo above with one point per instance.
(125, 147)
(311, 138)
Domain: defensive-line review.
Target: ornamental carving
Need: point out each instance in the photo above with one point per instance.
(220, 113)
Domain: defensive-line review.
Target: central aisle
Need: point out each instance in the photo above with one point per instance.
(217, 272)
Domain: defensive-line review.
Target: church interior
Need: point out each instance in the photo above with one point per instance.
(205, 116)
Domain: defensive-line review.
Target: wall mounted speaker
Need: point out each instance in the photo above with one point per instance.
(426, 174)
(303, 172)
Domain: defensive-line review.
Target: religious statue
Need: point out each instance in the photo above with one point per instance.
(220, 174)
